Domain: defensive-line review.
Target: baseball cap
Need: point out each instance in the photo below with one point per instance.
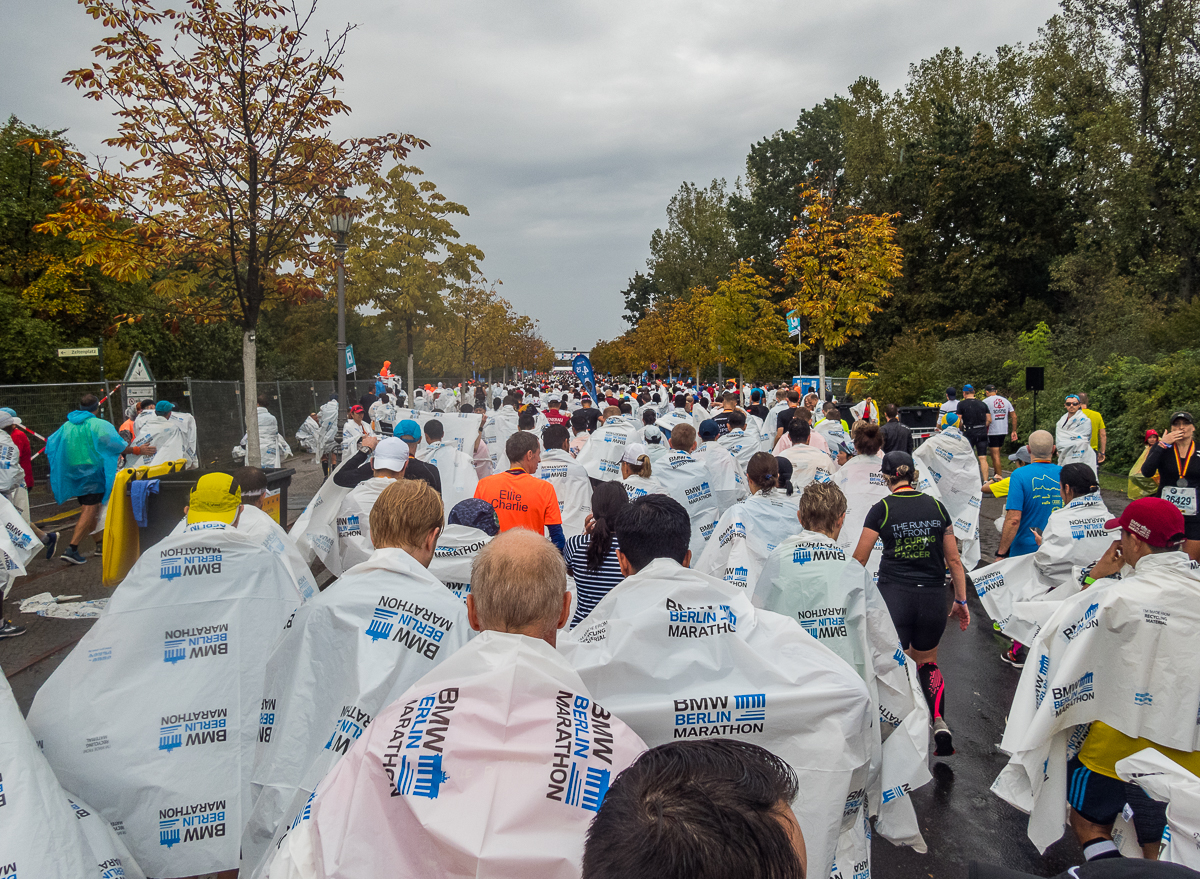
(709, 429)
(391, 454)
(968, 388)
(475, 513)
(7, 420)
(989, 387)
(1154, 520)
(1182, 416)
(893, 461)
(1022, 455)
(409, 431)
(633, 451)
(162, 407)
(215, 498)
(13, 412)
(357, 410)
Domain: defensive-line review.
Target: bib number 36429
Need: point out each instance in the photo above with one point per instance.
(1183, 498)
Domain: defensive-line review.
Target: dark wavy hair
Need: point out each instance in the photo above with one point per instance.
(608, 499)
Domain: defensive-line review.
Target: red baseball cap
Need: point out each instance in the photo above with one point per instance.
(1154, 520)
(355, 410)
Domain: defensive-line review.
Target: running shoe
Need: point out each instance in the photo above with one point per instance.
(943, 741)
(10, 630)
(1015, 658)
(99, 551)
(51, 542)
(73, 556)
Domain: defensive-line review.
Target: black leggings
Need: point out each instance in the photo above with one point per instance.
(918, 612)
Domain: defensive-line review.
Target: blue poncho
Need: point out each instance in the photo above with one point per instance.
(83, 456)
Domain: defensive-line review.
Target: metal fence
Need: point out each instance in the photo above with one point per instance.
(216, 405)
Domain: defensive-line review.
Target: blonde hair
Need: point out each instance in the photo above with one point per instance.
(610, 411)
(404, 514)
(518, 581)
(642, 468)
(821, 505)
(683, 437)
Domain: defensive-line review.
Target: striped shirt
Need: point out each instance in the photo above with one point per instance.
(590, 586)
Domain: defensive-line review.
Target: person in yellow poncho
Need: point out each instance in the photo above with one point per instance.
(1139, 485)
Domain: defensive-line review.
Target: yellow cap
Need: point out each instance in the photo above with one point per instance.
(215, 498)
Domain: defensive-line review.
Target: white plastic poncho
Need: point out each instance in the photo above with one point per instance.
(153, 716)
(742, 444)
(328, 416)
(309, 435)
(678, 654)
(726, 478)
(44, 831)
(456, 469)
(267, 533)
(352, 432)
(12, 474)
(862, 482)
(501, 424)
(313, 531)
(746, 534)
(18, 544)
(190, 445)
(809, 464)
(950, 460)
(687, 480)
(601, 457)
(459, 429)
(457, 547)
(1074, 535)
(1166, 781)
(757, 429)
(493, 765)
(273, 448)
(343, 540)
(639, 486)
(571, 485)
(673, 419)
(1073, 437)
(344, 657)
(166, 435)
(809, 578)
(1121, 651)
(771, 422)
(835, 436)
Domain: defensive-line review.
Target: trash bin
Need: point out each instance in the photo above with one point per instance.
(919, 417)
(165, 509)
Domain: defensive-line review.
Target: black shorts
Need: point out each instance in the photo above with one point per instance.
(996, 440)
(1191, 527)
(1100, 799)
(918, 612)
(977, 437)
(90, 500)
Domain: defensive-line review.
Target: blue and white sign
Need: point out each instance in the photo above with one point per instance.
(793, 323)
(583, 371)
(351, 366)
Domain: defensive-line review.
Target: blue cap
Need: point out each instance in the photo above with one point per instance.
(709, 429)
(475, 513)
(408, 430)
(968, 388)
(162, 407)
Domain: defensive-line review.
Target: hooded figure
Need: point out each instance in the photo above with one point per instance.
(152, 718)
(949, 460)
(469, 528)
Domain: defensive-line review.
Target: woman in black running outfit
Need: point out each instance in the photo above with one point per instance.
(918, 546)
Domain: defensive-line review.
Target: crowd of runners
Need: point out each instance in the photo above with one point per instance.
(647, 629)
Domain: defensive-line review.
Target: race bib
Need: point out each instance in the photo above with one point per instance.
(1183, 498)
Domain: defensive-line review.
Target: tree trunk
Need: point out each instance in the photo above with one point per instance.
(250, 401)
(821, 370)
(412, 388)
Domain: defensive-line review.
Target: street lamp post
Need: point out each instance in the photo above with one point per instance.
(339, 226)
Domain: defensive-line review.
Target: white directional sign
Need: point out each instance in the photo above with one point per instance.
(78, 352)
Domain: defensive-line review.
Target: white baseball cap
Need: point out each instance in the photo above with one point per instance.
(391, 454)
(633, 451)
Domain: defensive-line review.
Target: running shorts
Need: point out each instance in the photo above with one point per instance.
(978, 438)
(90, 500)
(918, 612)
(1100, 799)
(996, 440)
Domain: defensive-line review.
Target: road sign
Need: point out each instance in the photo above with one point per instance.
(78, 352)
(351, 366)
(793, 323)
(138, 371)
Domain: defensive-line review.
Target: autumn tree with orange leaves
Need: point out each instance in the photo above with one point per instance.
(838, 271)
(227, 172)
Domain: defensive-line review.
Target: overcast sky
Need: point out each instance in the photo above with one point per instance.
(565, 127)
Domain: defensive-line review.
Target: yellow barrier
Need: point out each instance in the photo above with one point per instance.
(122, 544)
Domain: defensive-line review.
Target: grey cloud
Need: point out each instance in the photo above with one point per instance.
(566, 126)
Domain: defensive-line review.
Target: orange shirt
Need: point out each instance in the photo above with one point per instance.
(520, 500)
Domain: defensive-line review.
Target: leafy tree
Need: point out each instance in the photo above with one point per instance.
(225, 111)
(697, 247)
(469, 336)
(747, 331)
(406, 253)
(840, 270)
(639, 296)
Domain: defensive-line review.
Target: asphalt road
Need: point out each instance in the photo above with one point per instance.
(960, 818)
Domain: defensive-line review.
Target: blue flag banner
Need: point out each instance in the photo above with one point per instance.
(583, 371)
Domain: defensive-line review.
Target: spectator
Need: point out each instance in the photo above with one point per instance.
(592, 557)
(896, 436)
(708, 809)
(1175, 461)
(1033, 494)
(520, 499)
(83, 456)
(1099, 431)
(1139, 485)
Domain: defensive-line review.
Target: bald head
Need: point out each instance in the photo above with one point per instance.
(1041, 445)
(519, 585)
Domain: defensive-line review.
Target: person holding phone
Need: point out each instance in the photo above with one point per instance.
(1176, 462)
